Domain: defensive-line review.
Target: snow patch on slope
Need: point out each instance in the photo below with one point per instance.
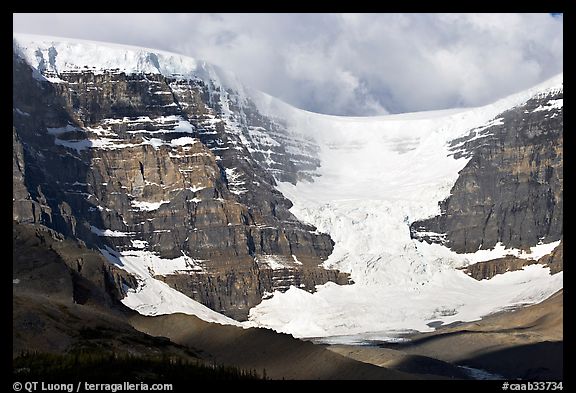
(109, 233)
(552, 104)
(154, 297)
(147, 206)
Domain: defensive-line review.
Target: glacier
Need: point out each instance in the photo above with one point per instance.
(378, 175)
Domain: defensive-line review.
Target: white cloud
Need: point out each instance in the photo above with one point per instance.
(353, 64)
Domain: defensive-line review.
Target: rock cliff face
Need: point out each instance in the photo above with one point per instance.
(554, 260)
(488, 269)
(510, 191)
(171, 166)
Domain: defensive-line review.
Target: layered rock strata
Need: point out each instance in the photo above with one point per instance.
(511, 190)
(167, 166)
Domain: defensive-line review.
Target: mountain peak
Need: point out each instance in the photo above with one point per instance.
(53, 55)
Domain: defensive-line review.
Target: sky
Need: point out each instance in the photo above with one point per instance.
(345, 64)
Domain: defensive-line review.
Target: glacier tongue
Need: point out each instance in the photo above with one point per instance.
(376, 176)
(400, 284)
(380, 312)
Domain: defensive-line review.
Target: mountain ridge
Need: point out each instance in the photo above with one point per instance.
(43, 42)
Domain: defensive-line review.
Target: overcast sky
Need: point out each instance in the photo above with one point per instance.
(347, 64)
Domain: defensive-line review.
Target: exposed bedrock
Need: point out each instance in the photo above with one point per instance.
(511, 190)
(147, 162)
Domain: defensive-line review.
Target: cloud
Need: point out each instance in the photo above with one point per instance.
(349, 64)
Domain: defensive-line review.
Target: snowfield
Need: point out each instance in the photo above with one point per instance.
(377, 175)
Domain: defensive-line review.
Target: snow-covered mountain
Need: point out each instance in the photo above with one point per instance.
(377, 176)
(362, 181)
(288, 157)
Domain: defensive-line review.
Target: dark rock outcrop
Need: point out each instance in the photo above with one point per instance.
(511, 190)
(488, 269)
(554, 260)
(47, 263)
